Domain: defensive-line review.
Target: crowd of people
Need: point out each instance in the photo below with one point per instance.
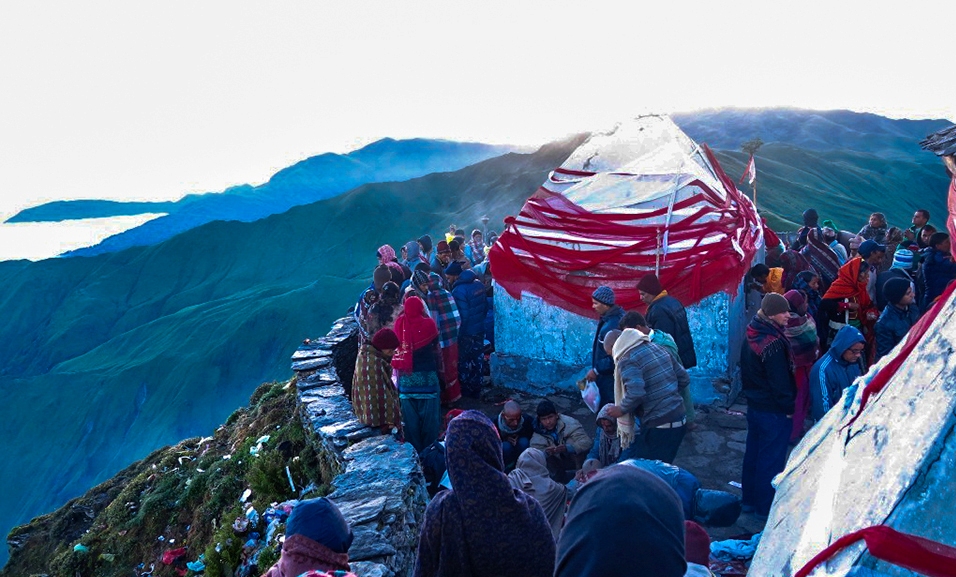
(834, 303)
(534, 494)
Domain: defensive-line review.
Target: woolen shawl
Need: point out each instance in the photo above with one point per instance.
(531, 477)
(482, 526)
(414, 326)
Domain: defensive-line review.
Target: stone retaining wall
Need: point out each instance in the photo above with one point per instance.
(377, 482)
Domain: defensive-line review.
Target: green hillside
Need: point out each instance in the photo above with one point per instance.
(110, 357)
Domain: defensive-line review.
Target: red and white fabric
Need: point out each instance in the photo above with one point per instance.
(641, 198)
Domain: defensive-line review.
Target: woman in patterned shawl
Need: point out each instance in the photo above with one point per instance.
(482, 526)
(816, 249)
(374, 398)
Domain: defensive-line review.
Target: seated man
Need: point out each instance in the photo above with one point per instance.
(562, 439)
(515, 430)
(607, 445)
(836, 370)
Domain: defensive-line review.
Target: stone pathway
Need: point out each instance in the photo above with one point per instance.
(714, 451)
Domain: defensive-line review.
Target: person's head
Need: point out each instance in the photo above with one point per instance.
(940, 241)
(797, 300)
(775, 308)
(444, 252)
(649, 287)
(696, 544)
(547, 415)
(422, 266)
(380, 276)
(634, 320)
(607, 423)
(899, 292)
(511, 414)
(927, 233)
(920, 218)
(810, 217)
(848, 344)
(391, 293)
(451, 229)
(420, 280)
(759, 272)
(321, 521)
(370, 297)
(476, 236)
(894, 235)
(453, 271)
(903, 258)
(425, 242)
(609, 339)
(455, 248)
(624, 521)
(810, 278)
(385, 254)
(829, 234)
(602, 299)
(877, 220)
(386, 341)
(872, 252)
(492, 238)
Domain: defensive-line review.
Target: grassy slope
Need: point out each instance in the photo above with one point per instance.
(112, 356)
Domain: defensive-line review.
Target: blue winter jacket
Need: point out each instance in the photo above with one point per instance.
(938, 271)
(600, 360)
(469, 293)
(831, 375)
(893, 326)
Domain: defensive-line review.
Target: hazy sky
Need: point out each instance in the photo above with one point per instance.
(129, 100)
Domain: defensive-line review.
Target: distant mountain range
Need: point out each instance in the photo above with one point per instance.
(109, 357)
(312, 179)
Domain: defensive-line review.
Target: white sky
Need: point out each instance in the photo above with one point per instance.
(128, 101)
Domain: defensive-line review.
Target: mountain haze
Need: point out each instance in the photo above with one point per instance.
(312, 179)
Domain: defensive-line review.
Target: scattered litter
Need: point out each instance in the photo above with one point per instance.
(226, 457)
(170, 556)
(198, 470)
(735, 413)
(735, 484)
(254, 451)
(252, 514)
(263, 439)
(197, 566)
(81, 548)
(240, 525)
(289, 475)
(731, 549)
(171, 541)
(245, 495)
(160, 538)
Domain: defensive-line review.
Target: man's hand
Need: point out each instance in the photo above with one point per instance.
(908, 234)
(591, 376)
(512, 440)
(614, 412)
(559, 449)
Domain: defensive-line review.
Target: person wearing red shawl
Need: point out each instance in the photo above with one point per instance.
(847, 302)
(416, 365)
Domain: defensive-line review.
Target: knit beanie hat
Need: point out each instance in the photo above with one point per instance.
(385, 339)
(650, 284)
(426, 242)
(443, 246)
(831, 225)
(869, 246)
(380, 276)
(774, 304)
(545, 408)
(604, 295)
(903, 258)
(798, 302)
(321, 521)
(895, 289)
(419, 278)
(696, 544)
(453, 269)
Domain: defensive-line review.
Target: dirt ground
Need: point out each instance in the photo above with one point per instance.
(713, 450)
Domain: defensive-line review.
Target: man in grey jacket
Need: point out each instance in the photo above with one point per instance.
(648, 381)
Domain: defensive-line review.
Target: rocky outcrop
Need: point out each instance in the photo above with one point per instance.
(378, 483)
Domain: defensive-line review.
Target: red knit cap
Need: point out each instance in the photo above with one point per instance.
(650, 284)
(385, 339)
(696, 544)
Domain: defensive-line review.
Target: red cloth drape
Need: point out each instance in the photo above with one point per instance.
(533, 254)
(917, 554)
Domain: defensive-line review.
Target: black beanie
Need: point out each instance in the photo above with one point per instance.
(426, 242)
(895, 289)
(546, 407)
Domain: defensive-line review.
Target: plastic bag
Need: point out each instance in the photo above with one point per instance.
(590, 394)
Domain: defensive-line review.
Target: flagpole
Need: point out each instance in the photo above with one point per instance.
(755, 193)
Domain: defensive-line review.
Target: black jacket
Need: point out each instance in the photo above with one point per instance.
(893, 325)
(667, 315)
(767, 378)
